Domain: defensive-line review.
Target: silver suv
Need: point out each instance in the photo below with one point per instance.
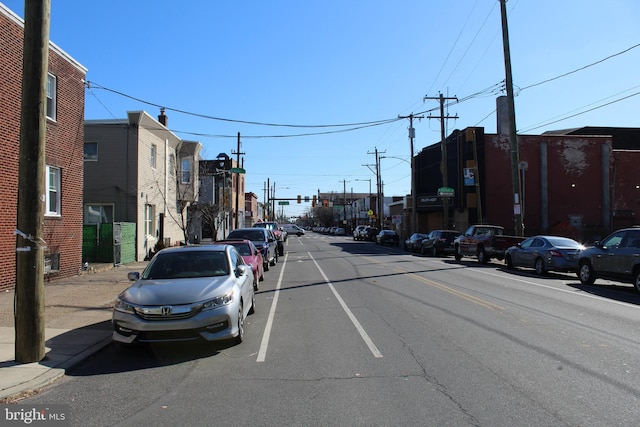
(615, 258)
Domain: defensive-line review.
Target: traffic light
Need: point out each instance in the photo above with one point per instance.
(326, 203)
(313, 202)
(299, 199)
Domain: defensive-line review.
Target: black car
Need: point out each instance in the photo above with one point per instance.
(615, 258)
(278, 232)
(388, 237)
(439, 242)
(263, 239)
(414, 242)
(370, 234)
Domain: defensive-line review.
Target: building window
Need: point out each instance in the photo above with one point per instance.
(52, 87)
(98, 214)
(154, 151)
(52, 185)
(185, 173)
(91, 151)
(149, 220)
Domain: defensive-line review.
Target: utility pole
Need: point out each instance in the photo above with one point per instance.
(344, 201)
(443, 164)
(414, 198)
(29, 298)
(379, 196)
(511, 114)
(237, 153)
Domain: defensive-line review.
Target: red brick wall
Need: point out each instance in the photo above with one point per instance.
(574, 179)
(64, 149)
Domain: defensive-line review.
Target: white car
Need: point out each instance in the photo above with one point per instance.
(187, 293)
(292, 229)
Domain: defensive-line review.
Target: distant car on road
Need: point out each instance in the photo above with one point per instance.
(292, 229)
(545, 253)
(439, 242)
(339, 231)
(370, 234)
(186, 293)
(414, 242)
(357, 232)
(388, 237)
(617, 257)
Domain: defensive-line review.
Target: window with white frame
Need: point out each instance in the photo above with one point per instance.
(154, 151)
(52, 184)
(185, 173)
(91, 151)
(149, 220)
(52, 88)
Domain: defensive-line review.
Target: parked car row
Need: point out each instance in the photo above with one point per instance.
(335, 231)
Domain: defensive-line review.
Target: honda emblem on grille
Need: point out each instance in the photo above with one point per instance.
(166, 310)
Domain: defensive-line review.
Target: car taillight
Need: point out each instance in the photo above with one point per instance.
(555, 253)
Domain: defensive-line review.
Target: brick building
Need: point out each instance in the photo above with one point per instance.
(64, 154)
(577, 183)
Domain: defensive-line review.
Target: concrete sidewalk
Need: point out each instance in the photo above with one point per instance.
(77, 324)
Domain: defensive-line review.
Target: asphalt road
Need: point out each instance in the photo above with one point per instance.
(350, 333)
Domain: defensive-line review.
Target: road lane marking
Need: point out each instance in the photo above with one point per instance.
(368, 341)
(445, 288)
(272, 312)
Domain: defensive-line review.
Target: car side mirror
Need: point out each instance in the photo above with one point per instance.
(241, 270)
(133, 276)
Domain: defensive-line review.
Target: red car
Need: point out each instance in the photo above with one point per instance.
(251, 256)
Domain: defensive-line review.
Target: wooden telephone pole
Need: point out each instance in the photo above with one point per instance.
(513, 137)
(443, 164)
(29, 298)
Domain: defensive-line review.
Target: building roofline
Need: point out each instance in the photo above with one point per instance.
(15, 18)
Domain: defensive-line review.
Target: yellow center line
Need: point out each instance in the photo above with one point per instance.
(445, 288)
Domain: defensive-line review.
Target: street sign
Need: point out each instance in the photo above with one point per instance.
(237, 170)
(446, 192)
(283, 203)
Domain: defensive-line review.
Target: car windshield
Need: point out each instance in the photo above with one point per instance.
(254, 235)
(182, 265)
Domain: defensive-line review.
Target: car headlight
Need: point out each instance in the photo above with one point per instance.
(218, 302)
(123, 306)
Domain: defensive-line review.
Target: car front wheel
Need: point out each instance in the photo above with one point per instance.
(240, 335)
(636, 279)
(586, 274)
(509, 262)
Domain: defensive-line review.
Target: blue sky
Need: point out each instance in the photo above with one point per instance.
(218, 65)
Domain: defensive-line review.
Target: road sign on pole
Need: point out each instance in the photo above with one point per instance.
(446, 192)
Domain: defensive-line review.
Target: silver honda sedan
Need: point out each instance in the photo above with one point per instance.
(186, 293)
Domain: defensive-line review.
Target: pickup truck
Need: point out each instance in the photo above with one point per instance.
(484, 242)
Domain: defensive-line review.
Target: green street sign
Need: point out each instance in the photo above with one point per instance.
(446, 192)
(237, 170)
(283, 203)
